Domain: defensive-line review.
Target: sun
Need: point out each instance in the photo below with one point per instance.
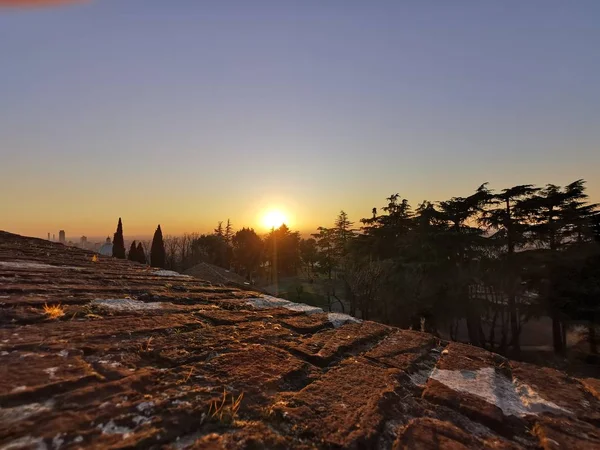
(273, 219)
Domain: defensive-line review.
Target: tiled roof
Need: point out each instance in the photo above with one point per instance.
(142, 358)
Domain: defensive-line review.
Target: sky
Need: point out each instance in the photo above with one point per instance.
(189, 112)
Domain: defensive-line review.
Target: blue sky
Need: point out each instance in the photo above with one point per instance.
(187, 112)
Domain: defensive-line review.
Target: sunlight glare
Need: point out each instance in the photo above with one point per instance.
(274, 219)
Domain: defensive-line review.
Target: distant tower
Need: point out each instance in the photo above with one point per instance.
(61, 237)
(48, 236)
(53, 238)
(106, 248)
(84, 242)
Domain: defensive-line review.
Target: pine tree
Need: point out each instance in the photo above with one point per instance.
(562, 220)
(219, 230)
(595, 226)
(463, 243)
(141, 254)
(509, 216)
(118, 250)
(343, 232)
(247, 251)
(228, 231)
(132, 256)
(157, 250)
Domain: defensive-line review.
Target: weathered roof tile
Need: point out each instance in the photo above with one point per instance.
(142, 358)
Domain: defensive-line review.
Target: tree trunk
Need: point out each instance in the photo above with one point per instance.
(453, 330)
(514, 324)
(341, 304)
(352, 304)
(592, 337)
(364, 309)
(492, 338)
(557, 339)
(481, 335)
(503, 331)
(512, 307)
(473, 329)
(502, 345)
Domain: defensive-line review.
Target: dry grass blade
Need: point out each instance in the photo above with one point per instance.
(235, 405)
(224, 412)
(54, 311)
(221, 407)
(145, 347)
(188, 375)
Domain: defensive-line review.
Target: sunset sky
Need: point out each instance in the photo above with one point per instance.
(188, 112)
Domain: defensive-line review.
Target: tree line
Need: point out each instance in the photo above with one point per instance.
(244, 251)
(492, 260)
(137, 252)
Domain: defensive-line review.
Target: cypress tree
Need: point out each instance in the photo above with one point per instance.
(132, 256)
(141, 254)
(118, 250)
(157, 250)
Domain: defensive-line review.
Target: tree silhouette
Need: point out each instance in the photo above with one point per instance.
(118, 250)
(343, 231)
(228, 234)
(595, 226)
(562, 218)
(309, 255)
(509, 215)
(490, 260)
(213, 249)
(286, 244)
(141, 254)
(157, 250)
(219, 230)
(247, 251)
(132, 256)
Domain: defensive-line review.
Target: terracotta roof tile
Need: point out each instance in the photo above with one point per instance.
(141, 357)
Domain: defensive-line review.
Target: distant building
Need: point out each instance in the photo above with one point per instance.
(54, 238)
(62, 238)
(83, 242)
(106, 248)
(48, 236)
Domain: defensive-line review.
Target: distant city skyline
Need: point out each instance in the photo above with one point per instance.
(187, 113)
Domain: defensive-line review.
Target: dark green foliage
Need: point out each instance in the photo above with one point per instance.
(213, 249)
(118, 250)
(157, 250)
(595, 226)
(136, 253)
(324, 241)
(562, 220)
(247, 252)
(308, 255)
(132, 255)
(494, 260)
(490, 260)
(283, 244)
(228, 233)
(219, 230)
(141, 254)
